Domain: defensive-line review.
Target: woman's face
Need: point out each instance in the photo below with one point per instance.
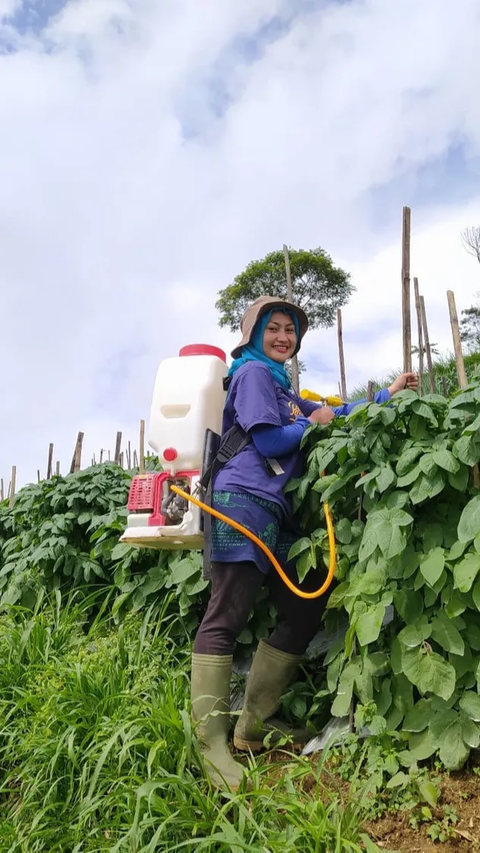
(280, 337)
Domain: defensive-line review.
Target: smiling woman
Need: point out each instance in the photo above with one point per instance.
(249, 489)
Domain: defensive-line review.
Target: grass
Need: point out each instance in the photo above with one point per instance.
(97, 752)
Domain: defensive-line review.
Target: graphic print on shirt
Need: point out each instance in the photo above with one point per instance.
(294, 411)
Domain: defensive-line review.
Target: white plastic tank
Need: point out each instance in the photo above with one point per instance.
(188, 399)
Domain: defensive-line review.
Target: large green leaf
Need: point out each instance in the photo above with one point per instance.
(469, 524)
(429, 672)
(417, 718)
(470, 705)
(432, 566)
(409, 604)
(446, 635)
(453, 749)
(369, 625)
(445, 459)
(466, 571)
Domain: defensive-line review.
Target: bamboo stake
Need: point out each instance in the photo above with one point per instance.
(407, 329)
(39, 479)
(457, 345)
(77, 455)
(141, 469)
(50, 461)
(135, 459)
(101, 455)
(288, 274)
(370, 391)
(418, 308)
(57, 468)
(13, 483)
(428, 351)
(462, 376)
(120, 460)
(2, 496)
(341, 356)
(118, 445)
(129, 456)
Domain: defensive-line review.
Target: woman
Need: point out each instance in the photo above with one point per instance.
(249, 489)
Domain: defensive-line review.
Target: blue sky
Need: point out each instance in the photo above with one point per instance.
(35, 14)
(197, 137)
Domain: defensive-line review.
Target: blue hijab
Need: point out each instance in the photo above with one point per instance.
(254, 350)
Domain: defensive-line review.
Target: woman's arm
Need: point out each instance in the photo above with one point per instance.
(380, 397)
(279, 440)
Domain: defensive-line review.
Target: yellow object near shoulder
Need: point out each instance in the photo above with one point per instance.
(317, 398)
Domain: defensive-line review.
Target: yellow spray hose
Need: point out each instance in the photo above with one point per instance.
(291, 586)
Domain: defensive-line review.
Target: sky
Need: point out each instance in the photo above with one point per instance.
(150, 150)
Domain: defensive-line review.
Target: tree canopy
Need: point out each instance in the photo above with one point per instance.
(319, 287)
(470, 327)
(471, 241)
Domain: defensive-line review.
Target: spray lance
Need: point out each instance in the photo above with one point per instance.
(165, 508)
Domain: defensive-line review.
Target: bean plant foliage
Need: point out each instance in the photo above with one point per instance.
(63, 534)
(400, 479)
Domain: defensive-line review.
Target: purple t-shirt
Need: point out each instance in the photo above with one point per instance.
(254, 398)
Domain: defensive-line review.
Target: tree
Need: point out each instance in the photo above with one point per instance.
(318, 287)
(471, 241)
(470, 327)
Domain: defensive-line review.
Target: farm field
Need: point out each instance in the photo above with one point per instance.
(96, 746)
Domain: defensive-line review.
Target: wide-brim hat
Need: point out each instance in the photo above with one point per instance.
(262, 306)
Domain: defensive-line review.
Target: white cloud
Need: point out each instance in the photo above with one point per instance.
(146, 162)
(9, 7)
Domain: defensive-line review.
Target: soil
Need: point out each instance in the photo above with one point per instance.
(394, 833)
(460, 791)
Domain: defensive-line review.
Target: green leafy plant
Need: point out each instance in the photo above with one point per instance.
(398, 478)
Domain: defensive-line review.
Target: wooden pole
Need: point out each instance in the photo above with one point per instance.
(57, 468)
(141, 469)
(118, 445)
(370, 391)
(341, 356)
(428, 351)
(39, 478)
(129, 456)
(13, 483)
(77, 455)
(101, 455)
(418, 308)
(50, 461)
(295, 371)
(135, 459)
(2, 495)
(407, 329)
(457, 345)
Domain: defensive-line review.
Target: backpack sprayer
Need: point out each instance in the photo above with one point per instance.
(166, 508)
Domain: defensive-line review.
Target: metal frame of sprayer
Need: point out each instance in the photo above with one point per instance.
(159, 518)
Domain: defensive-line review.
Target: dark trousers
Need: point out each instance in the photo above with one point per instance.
(234, 591)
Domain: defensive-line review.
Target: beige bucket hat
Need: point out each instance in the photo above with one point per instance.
(260, 307)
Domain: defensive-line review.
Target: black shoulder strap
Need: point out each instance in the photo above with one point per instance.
(231, 443)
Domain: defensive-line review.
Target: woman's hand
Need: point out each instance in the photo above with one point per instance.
(405, 380)
(323, 415)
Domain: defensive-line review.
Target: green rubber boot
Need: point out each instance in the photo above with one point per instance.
(271, 673)
(210, 692)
